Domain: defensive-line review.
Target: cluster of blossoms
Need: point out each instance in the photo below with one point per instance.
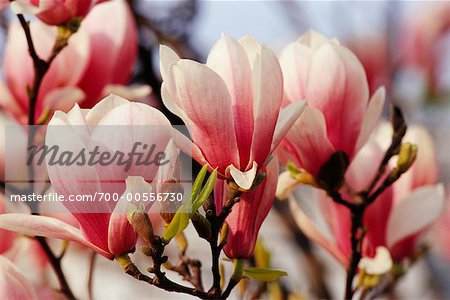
(249, 114)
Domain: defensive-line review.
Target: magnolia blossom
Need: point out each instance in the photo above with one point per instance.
(231, 105)
(421, 35)
(247, 216)
(104, 226)
(399, 216)
(339, 116)
(13, 283)
(55, 12)
(104, 48)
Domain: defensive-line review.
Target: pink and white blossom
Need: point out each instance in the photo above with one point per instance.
(231, 105)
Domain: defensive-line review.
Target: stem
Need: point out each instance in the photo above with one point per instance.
(357, 216)
(216, 225)
(41, 68)
(56, 265)
(159, 280)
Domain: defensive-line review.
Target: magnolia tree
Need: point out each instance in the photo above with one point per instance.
(92, 162)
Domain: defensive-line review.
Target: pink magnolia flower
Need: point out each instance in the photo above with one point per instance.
(339, 116)
(106, 53)
(231, 105)
(398, 218)
(104, 226)
(421, 36)
(55, 12)
(247, 216)
(13, 283)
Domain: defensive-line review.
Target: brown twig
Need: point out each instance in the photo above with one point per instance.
(190, 270)
(56, 265)
(159, 280)
(217, 222)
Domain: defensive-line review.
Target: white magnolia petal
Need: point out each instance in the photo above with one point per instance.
(48, 227)
(415, 212)
(371, 117)
(286, 185)
(378, 265)
(286, 119)
(311, 231)
(244, 179)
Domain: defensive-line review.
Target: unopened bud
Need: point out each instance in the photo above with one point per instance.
(406, 157)
(224, 234)
(169, 208)
(238, 269)
(141, 224)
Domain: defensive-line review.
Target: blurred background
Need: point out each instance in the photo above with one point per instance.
(402, 45)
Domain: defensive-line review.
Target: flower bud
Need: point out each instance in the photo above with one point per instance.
(141, 224)
(169, 208)
(406, 157)
(202, 226)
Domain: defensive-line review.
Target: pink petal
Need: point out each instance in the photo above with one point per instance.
(337, 85)
(188, 147)
(371, 117)
(288, 116)
(361, 171)
(308, 138)
(121, 235)
(103, 107)
(415, 213)
(13, 283)
(113, 37)
(247, 216)
(63, 98)
(11, 105)
(294, 61)
(48, 227)
(310, 230)
(168, 57)
(203, 97)
(228, 59)
(267, 97)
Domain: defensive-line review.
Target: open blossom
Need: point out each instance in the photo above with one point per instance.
(104, 48)
(339, 116)
(55, 12)
(247, 216)
(231, 105)
(399, 216)
(104, 226)
(13, 283)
